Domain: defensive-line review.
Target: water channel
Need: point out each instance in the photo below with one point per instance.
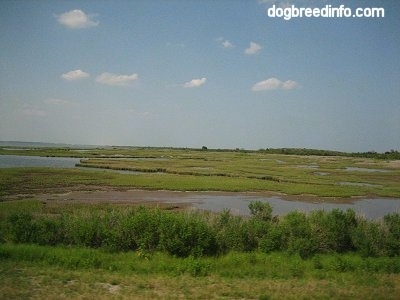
(237, 203)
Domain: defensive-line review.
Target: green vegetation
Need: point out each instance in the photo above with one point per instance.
(77, 250)
(198, 234)
(204, 170)
(69, 249)
(28, 271)
(56, 150)
(392, 154)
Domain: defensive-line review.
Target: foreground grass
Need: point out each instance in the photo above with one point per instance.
(29, 271)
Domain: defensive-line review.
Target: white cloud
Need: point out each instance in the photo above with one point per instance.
(289, 85)
(195, 83)
(76, 19)
(274, 84)
(254, 48)
(75, 75)
(225, 43)
(117, 80)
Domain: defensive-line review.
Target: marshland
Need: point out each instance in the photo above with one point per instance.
(150, 220)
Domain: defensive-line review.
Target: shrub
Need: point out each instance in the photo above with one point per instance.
(20, 227)
(296, 234)
(186, 234)
(47, 231)
(273, 240)
(261, 210)
(392, 226)
(84, 228)
(369, 238)
(233, 234)
(331, 231)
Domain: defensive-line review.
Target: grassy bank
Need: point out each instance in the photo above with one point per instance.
(28, 271)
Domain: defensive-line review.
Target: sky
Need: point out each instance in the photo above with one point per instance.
(221, 74)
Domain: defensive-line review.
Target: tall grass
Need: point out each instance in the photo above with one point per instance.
(197, 234)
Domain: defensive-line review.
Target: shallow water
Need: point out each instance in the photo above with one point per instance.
(365, 169)
(237, 203)
(359, 184)
(20, 161)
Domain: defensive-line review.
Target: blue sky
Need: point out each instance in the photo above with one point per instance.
(192, 73)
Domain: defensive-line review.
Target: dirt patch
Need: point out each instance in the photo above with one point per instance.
(175, 199)
(162, 199)
(112, 289)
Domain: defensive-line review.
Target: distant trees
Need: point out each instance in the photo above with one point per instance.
(392, 154)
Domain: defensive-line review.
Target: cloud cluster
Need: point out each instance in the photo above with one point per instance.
(75, 75)
(76, 19)
(254, 48)
(195, 83)
(225, 43)
(117, 80)
(274, 84)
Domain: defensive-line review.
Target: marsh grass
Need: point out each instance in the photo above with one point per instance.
(290, 174)
(185, 169)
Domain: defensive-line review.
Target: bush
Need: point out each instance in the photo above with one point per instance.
(234, 234)
(392, 228)
(20, 227)
(138, 229)
(369, 238)
(261, 210)
(47, 231)
(186, 234)
(197, 234)
(296, 234)
(85, 228)
(331, 231)
(273, 240)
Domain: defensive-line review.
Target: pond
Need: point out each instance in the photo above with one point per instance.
(20, 161)
(237, 203)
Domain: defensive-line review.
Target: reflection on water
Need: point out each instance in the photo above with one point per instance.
(237, 203)
(370, 208)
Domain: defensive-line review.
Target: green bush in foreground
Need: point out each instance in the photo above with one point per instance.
(195, 234)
